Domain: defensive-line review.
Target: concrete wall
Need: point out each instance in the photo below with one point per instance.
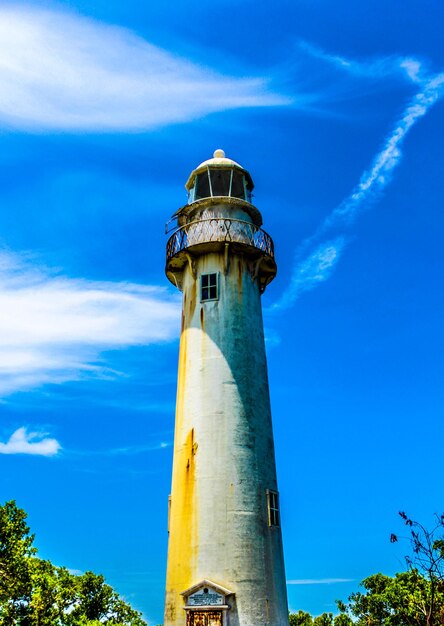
(224, 453)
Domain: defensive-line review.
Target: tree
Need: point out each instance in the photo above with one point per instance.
(426, 545)
(326, 619)
(402, 600)
(95, 601)
(301, 618)
(428, 559)
(411, 598)
(343, 620)
(15, 549)
(34, 592)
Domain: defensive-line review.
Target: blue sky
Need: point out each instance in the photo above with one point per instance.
(336, 110)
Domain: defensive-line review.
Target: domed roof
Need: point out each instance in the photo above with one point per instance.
(219, 160)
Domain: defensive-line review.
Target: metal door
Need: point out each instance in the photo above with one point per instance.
(204, 618)
(214, 618)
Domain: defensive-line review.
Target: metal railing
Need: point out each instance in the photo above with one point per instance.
(219, 229)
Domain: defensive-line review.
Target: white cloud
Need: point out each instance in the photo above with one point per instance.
(272, 338)
(380, 173)
(54, 328)
(314, 269)
(66, 72)
(129, 450)
(22, 442)
(379, 68)
(132, 450)
(317, 267)
(319, 581)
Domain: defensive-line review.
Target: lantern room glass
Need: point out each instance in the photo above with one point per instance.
(216, 182)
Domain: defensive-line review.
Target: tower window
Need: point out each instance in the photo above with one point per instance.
(209, 287)
(273, 508)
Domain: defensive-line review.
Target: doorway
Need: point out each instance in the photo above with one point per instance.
(204, 618)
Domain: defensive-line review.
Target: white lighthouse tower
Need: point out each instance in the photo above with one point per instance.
(225, 560)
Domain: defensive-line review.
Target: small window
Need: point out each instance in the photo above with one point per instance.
(273, 508)
(209, 287)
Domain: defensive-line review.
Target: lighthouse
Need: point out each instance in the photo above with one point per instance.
(225, 559)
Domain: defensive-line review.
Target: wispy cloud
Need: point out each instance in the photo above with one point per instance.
(371, 185)
(312, 270)
(54, 328)
(38, 443)
(35, 443)
(272, 338)
(319, 581)
(66, 72)
(124, 451)
(374, 180)
(376, 69)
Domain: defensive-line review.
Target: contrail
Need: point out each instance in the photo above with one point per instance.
(315, 260)
(374, 181)
(390, 66)
(314, 269)
(319, 581)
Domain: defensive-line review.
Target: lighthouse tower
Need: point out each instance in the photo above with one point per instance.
(225, 561)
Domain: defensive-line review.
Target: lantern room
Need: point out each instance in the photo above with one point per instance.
(219, 217)
(218, 177)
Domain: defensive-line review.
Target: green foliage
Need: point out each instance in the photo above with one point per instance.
(411, 598)
(34, 592)
(15, 551)
(301, 618)
(343, 620)
(326, 619)
(404, 600)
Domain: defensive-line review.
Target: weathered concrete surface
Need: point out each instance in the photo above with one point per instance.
(223, 449)
(224, 453)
